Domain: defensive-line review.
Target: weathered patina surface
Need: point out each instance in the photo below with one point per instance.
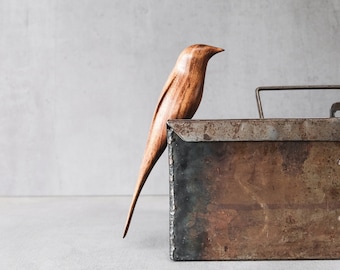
(254, 189)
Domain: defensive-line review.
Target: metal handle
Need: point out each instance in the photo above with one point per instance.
(335, 107)
(295, 87)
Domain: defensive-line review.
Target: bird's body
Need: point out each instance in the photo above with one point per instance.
(180, 98)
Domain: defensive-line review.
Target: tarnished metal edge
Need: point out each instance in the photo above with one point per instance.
(172, 207)
(308, 129)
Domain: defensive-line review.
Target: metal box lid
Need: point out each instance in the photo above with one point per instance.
(310, 129)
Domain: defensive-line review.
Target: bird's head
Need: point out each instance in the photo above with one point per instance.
(196, 56)
(203, 50)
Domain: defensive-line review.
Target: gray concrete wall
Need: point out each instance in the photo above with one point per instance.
(79, 80)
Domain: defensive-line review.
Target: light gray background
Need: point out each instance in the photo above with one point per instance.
(79, 80)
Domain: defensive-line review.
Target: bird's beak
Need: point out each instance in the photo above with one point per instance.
(216, 50)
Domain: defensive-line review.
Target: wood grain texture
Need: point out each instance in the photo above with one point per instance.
(180, 98)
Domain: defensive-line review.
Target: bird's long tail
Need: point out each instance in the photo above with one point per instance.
(151, 155)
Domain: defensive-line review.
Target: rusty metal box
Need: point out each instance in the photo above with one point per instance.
(254, 189)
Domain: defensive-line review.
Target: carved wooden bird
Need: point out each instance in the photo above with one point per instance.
(180, 98)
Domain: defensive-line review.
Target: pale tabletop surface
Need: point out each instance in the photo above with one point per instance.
(86, 233)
